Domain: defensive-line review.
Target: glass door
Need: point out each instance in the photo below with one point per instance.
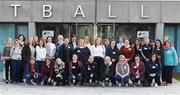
(105, 31)
(81, 30)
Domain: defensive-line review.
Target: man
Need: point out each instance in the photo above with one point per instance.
(58, 44)
(65, 53)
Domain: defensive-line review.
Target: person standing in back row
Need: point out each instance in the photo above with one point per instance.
(6, 57)
(170, 61)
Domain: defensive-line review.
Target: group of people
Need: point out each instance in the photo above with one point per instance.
(105, 63)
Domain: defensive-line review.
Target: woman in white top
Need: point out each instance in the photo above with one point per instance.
(16, 60)
(98, 52)
(40, 54)
(51, 48)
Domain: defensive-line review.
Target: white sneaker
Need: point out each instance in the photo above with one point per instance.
(90, 81)
(119, 84)
(74, 81)
(103, 84)
(126, 85)
(155, 85)
(33, 83)
(110, 84)
(54, 83)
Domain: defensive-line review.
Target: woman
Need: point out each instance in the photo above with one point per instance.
(122, 71)
(75, 71)
(31, 73)
(120, 43)
(106, 43)
(16, 61)
(59, 72)
(82, 52)
(158, 49)
(146, 50)
(137, 71)
(170, 61)
(113, 52)
(28, 51)
(153, 70)
(98, 51)
(137, 47)
(107, 72)
(35, 43)
(73, 42)
(90, 70)
(47, 72)
(51, 48)
(127, 50)
(21, 39)
(40, 54)
(86, 42)
(6, 57)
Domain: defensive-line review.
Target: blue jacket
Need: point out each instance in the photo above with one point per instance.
(154, 67)
(170, 57)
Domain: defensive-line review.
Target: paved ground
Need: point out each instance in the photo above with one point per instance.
(20, 89)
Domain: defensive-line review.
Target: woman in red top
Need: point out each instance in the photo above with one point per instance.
(46, 72)
(127, 50)
(137, 71)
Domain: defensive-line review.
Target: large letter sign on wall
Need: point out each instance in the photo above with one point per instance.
(79, 11)
(15, 6)
(47, 11)
(142, 13)
(110, 13)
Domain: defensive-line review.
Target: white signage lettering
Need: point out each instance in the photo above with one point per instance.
(47, 11)
(110, 13)
(142, 13)
(15, 6)
(79, 11)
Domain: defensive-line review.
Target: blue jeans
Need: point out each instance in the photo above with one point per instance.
(77, 78)
(122, 80)
(15, 69)
(39, 63)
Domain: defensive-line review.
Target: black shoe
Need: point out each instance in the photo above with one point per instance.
(7, 81)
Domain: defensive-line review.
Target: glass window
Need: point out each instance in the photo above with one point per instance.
(105, 32)
(22, 29)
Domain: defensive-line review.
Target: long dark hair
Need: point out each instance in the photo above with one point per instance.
(159, 42)
(46, 60)
(22, 36)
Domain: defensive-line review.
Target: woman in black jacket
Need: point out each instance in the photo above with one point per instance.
(113, 52)
(107, 72)
(90, 70)
(59, 72)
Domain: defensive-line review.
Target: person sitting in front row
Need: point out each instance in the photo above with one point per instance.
(153, 71)
(137, 71)
(90, 70)
(31, 73)
(122, 72)
(47, 72)
(59, 72)
(75, 71)
(107, 72)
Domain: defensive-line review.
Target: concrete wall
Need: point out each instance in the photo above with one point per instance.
(63, 11)
(126, 11)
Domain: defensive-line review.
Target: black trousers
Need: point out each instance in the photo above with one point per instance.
(99, 61)
(7, 68)
(157, 79)
(135, 80)
(168, 74)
